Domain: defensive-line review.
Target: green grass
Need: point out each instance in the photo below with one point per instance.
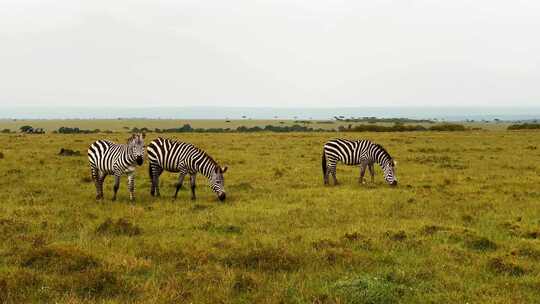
(462, 226)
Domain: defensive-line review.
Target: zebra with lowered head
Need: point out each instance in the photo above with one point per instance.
(176, 156)
(109, 158)
(358, 152)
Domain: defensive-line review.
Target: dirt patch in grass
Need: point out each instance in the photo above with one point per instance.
(396, 235)
(86, 179)
(502, 266)
(265, 258)
(121, 226)
(534, 234)
(432, 229)
(69, 152)
(528, 252)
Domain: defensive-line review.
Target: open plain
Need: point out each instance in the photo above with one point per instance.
(462, 226)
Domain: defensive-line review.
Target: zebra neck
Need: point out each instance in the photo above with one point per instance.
(206, 167)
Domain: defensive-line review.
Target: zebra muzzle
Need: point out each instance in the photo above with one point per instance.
(222, 196)
(139, 160)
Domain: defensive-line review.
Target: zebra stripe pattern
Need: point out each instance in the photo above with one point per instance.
(360, 152)
(185, 158)
(109, 158)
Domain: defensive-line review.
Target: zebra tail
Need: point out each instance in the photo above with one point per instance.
(324, 163)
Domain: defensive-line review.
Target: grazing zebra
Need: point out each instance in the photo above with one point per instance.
(359, 152)
(107, 157)
(176, 156)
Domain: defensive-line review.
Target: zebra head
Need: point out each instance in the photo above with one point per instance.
(136, 147)
(217, 182)
(390, 173)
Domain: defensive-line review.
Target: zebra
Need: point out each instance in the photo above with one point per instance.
(359, 152)
(185, 158)
(109, 158)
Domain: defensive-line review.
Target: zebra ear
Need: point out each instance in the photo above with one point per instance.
(224, 169)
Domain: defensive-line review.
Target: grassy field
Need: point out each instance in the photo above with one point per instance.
(463, 226)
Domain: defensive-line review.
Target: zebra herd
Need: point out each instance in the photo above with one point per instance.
(109, 158)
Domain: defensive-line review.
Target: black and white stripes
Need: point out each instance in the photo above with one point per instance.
(360, 152)
(175, 156)
(109, 158)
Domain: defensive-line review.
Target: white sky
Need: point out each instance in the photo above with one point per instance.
(280, 53)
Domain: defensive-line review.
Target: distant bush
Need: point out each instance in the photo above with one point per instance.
(30, 130)
(25, 129)
(6, 131)
(524, 126)
(67, 130)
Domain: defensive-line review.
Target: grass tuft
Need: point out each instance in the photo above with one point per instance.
(501, 266)
(369, 290)
(121, 226)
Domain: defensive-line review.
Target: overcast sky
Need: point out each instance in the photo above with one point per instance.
(280, 53)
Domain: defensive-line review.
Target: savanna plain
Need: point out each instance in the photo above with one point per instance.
(463, 225)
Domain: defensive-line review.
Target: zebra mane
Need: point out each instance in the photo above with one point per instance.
(199, 149)
(135, 136)
(385, 153)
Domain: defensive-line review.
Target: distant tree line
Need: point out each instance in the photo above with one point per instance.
(399, 127)
(373, 120)
(524, 126)
(242, 129)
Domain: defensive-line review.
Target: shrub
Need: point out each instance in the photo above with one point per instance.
(524, 126)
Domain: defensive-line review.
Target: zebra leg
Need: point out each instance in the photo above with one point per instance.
(155, 172)
(99, 185)
(372, 173)
(95, 178)
(179, 184)
(192, 182)
(131, 186)
(362, 172)
(116, 186)
(332, 170)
